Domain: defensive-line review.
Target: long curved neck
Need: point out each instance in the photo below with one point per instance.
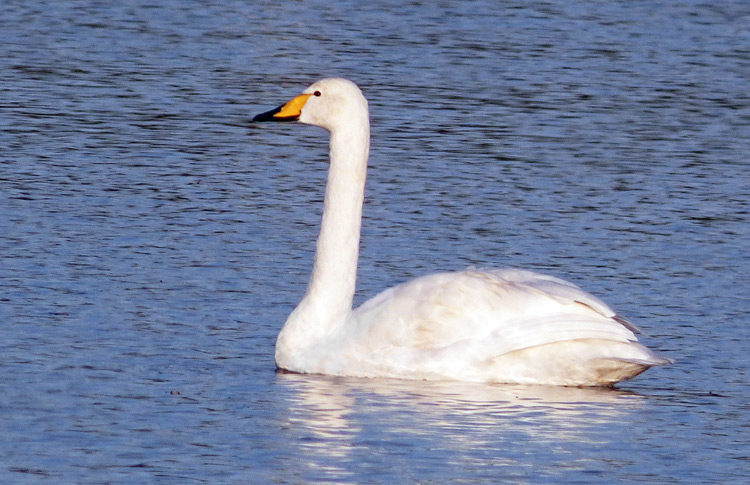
(334, 274)
(330, 292)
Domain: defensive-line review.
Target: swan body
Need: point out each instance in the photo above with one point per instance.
(492, 325)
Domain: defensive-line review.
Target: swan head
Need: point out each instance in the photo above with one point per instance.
(330, 103)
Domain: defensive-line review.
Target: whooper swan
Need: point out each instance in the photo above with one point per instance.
(493, 325)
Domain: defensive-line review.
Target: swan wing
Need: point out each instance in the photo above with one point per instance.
(564, 291)
(493, 311)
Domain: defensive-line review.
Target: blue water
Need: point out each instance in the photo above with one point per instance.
(152, 242)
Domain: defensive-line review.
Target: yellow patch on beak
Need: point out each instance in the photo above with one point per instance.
(293, 108)
(288, 112)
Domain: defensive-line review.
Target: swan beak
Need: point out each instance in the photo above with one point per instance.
(288, 112)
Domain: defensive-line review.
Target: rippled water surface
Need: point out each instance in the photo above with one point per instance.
(152, 242)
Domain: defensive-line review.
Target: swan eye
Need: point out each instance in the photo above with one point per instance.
(317, 93)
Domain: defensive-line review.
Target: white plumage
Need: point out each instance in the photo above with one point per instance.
(494, 325)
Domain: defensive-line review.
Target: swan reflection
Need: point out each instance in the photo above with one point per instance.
(336, 419)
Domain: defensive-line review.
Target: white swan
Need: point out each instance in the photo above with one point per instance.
(497, 325)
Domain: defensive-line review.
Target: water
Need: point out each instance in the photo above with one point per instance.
(152, 243)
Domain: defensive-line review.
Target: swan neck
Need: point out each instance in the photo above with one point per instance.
(330, 292)
(333, 279)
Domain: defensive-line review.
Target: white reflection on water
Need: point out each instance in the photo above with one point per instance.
(338, 419)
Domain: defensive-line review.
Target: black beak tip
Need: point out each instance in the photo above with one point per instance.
(267, 116)
(271, 116)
